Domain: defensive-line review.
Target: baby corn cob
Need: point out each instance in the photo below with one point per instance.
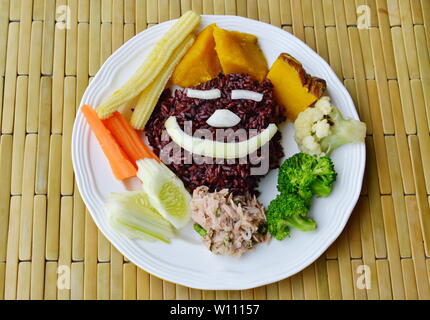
(153, 64)
(149, 97)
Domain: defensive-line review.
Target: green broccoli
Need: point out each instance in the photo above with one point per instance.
(300, 178)
(307, 175)
(288, 210)
(324, 177)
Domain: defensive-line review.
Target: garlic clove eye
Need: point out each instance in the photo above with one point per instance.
(223, 118)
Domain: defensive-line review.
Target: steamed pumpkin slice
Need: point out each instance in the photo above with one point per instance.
(293, 87)
(239, 53)
(200, 64)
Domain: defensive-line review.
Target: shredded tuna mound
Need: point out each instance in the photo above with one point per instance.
(234, 224)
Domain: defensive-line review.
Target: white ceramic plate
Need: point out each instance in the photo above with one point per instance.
(186, 261)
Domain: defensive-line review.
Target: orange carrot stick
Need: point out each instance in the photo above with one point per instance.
(128, 138)
(120, 164)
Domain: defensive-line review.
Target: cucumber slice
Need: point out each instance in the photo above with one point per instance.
(166, 192)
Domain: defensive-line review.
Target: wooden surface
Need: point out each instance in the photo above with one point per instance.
(49, 245)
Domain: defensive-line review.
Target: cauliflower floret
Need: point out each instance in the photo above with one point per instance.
(306, 120)
(312, 122)
(310, 146)
(321, 128)
(324, 105)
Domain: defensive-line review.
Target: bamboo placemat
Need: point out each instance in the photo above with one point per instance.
(51, 249)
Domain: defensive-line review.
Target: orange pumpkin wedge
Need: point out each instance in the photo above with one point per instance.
(200, 63)
(293, 87)
(239, 53)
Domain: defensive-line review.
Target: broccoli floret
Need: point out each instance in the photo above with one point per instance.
(302, 223)
(307, 175)
(294, 175)
(285, 211)
(343, 131)
(324, 177)
(300, 177)
(279, 229)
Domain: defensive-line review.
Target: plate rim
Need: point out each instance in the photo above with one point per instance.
(313, 257)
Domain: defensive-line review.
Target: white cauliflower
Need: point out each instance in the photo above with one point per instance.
(321, 128)
(324, 105)
(310, 145)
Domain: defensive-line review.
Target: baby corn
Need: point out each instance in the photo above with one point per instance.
(151, 67)
(149, 97)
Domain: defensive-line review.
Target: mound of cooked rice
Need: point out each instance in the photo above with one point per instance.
(219, 174)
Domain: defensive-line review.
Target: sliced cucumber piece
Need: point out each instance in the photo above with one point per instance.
(166, 192)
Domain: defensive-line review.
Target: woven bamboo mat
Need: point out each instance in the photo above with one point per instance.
(51, 249)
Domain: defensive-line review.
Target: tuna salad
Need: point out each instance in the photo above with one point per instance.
(228, 224)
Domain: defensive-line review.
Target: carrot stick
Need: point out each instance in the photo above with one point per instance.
(120, 164)
(128, 138)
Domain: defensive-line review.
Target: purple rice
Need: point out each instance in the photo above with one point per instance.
(254, 115)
